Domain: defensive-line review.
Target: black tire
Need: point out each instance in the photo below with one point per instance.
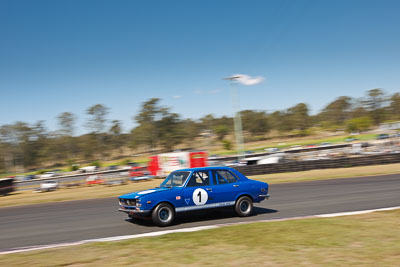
(163, 214)
(244, 206)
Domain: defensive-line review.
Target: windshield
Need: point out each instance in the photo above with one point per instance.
(175, 179)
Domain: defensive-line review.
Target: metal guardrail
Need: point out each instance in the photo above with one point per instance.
(290, 150)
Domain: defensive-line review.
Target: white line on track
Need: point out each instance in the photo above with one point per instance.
(355, 212)
(185, 230)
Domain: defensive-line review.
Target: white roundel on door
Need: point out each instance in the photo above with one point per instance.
(200, 196)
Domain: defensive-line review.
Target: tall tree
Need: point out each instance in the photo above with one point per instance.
(337, 112)
(97, 122)
(116, 127)
(157, 126)
(169, 130)
(394, 107)
(66, 122)
(298, 116)
(280, 120)
(146, 133)
(191, 129)
(255, 122)
(9, 143)
(221, 131)
(374, 104)
(116, 132)
(22, 143)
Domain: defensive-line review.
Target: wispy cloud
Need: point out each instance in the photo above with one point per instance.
(216, 91)
(248, 80)
(177, 96)
(198, 92)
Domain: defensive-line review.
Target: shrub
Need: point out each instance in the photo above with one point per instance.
(227, 144)
(96, 163)
(74, 167)
(125, 162)
(358, 124)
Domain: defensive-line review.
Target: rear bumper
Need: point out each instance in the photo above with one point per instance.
(262, 197)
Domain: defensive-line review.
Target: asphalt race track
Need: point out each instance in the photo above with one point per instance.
(87, 219)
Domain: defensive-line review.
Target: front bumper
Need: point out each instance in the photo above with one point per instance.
(134, 211)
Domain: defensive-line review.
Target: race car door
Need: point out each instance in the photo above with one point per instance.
(226, 188)
(198, 193)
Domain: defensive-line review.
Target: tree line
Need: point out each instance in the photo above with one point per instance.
(28, 146)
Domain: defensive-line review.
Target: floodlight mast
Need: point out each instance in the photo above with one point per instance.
(237, 120)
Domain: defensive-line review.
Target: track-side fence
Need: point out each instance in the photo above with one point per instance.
(296, 166)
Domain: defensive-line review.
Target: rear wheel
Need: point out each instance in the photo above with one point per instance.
(244, 206)
(163, 214)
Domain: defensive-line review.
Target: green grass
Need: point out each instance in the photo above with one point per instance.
(333, 140)
(362, 240)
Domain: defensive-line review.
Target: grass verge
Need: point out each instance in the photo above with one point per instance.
(362, 240)
(288, 142)
(99, 191)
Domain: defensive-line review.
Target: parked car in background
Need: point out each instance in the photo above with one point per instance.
(296, 147)
(115, 182)
(48, 175)
(89, 169)
(137, 171)
(29, 177)
(268, 159)
(325, 144)
(382, 136)
(94, 179)
(351, 139)
(48, 186)
(272, 149)
(112, 167)
(19, 178)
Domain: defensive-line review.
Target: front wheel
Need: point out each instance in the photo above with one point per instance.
(244, 206)
(163, 214)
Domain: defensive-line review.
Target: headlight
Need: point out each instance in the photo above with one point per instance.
(138, 205)
(130, 202)
(263, 189)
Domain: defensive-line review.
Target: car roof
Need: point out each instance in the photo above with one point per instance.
(206, 169)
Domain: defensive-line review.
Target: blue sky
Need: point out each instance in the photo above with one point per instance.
(58, 56)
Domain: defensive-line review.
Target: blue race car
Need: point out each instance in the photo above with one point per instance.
(195, 189)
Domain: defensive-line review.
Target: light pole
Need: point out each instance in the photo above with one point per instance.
(237, 120)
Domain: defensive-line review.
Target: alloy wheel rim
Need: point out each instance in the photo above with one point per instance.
(164, 214)
(244, 206)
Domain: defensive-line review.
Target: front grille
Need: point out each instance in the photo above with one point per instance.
(128, 202)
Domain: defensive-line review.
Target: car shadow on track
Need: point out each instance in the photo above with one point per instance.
(203, 215)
